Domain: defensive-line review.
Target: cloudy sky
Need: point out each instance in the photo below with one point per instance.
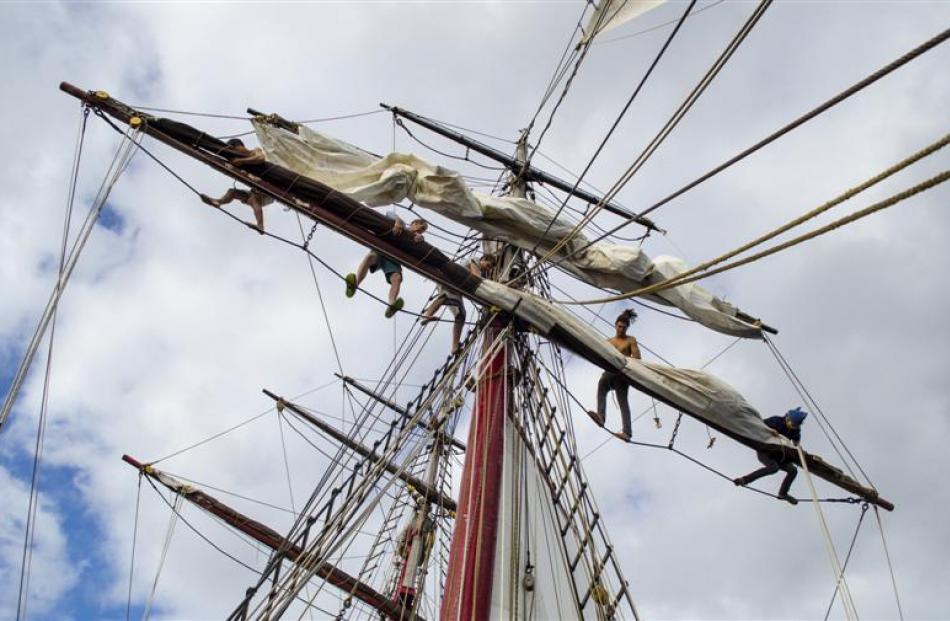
(176, 317)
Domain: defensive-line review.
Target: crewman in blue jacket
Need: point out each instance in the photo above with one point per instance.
(789, 426)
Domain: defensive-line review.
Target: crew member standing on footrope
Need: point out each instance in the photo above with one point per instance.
(612, 380)
(789, 426)
(391, 269)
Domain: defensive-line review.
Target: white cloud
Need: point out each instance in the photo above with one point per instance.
(52, 573)
(171, 327)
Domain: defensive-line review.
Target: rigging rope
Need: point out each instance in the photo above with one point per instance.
(890, 566)
(685, 276)
(316, 283)
(135, 533)
(603, 143)
(821, 419)
(33, 502)
(857, 215)
(235, 427)
(172, 521)
(120, 162)
(671, 123)
(859, 86)
(854, 538)
(840, 582)
(657, 27)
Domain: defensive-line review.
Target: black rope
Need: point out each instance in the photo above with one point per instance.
(464, 158)
(616, 123)
(852, 90)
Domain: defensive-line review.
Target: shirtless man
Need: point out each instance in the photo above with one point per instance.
(391, 269)
(626, 345)
(454, 302)
(255, 199)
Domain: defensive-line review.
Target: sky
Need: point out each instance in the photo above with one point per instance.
(176, 317)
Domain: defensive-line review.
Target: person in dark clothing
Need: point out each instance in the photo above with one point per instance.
(788, 426)
(626, 345)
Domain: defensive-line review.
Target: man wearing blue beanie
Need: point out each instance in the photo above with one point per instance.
(790, 427)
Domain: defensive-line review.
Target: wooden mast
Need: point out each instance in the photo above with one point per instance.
(470, 577)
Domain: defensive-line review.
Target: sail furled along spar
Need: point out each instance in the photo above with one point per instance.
(378, 181)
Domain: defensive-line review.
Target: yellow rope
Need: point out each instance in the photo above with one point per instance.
(847, 600)
(801, 219)
(691, 275)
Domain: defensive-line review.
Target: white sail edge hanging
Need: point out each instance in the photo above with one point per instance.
(378, 181)
(613, 13)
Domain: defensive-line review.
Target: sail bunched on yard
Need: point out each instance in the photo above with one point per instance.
(378, 181)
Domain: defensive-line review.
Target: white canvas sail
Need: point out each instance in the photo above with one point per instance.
(378, 181)
(608, 14)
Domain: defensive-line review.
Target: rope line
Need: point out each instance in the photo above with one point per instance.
(840, 582)
(172, 521)
(852, 90)
(657, 27)
(667, 129)
(603, 143)
(844, 566)
(890, 566)
(684, 277)
(234, 427)
(822, 419)
(135, 533)
(857, 215)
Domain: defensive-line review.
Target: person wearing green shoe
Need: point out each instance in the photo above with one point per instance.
(391, 269)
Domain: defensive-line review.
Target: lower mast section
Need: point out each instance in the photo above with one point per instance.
(468, 585)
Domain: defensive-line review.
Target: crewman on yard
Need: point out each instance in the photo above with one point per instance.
(612, 380)
(788, 426)
(253, 198)
(392, 269)
(453, 301)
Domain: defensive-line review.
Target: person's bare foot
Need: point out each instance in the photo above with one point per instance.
(426, 320)
(207, 200)
(622, 435)
(597, 417)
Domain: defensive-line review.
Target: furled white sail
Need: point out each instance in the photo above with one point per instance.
(385, 180)
(608, 14)
(699, 393)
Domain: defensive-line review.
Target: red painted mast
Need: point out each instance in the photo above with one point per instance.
(471, 572)
(468, 584)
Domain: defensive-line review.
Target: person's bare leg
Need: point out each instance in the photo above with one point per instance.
(368, 261)
(395, 282)
(457, 330)
(218, 202)
(257, 205)
(429, 312)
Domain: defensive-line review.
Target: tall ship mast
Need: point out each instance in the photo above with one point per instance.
(464, 495)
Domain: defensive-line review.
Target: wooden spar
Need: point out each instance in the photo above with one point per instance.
(269, 537)
(816, 465)
(431, 495)
(318, 202)
(400, 410)
(370, 228)
(530, 173)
